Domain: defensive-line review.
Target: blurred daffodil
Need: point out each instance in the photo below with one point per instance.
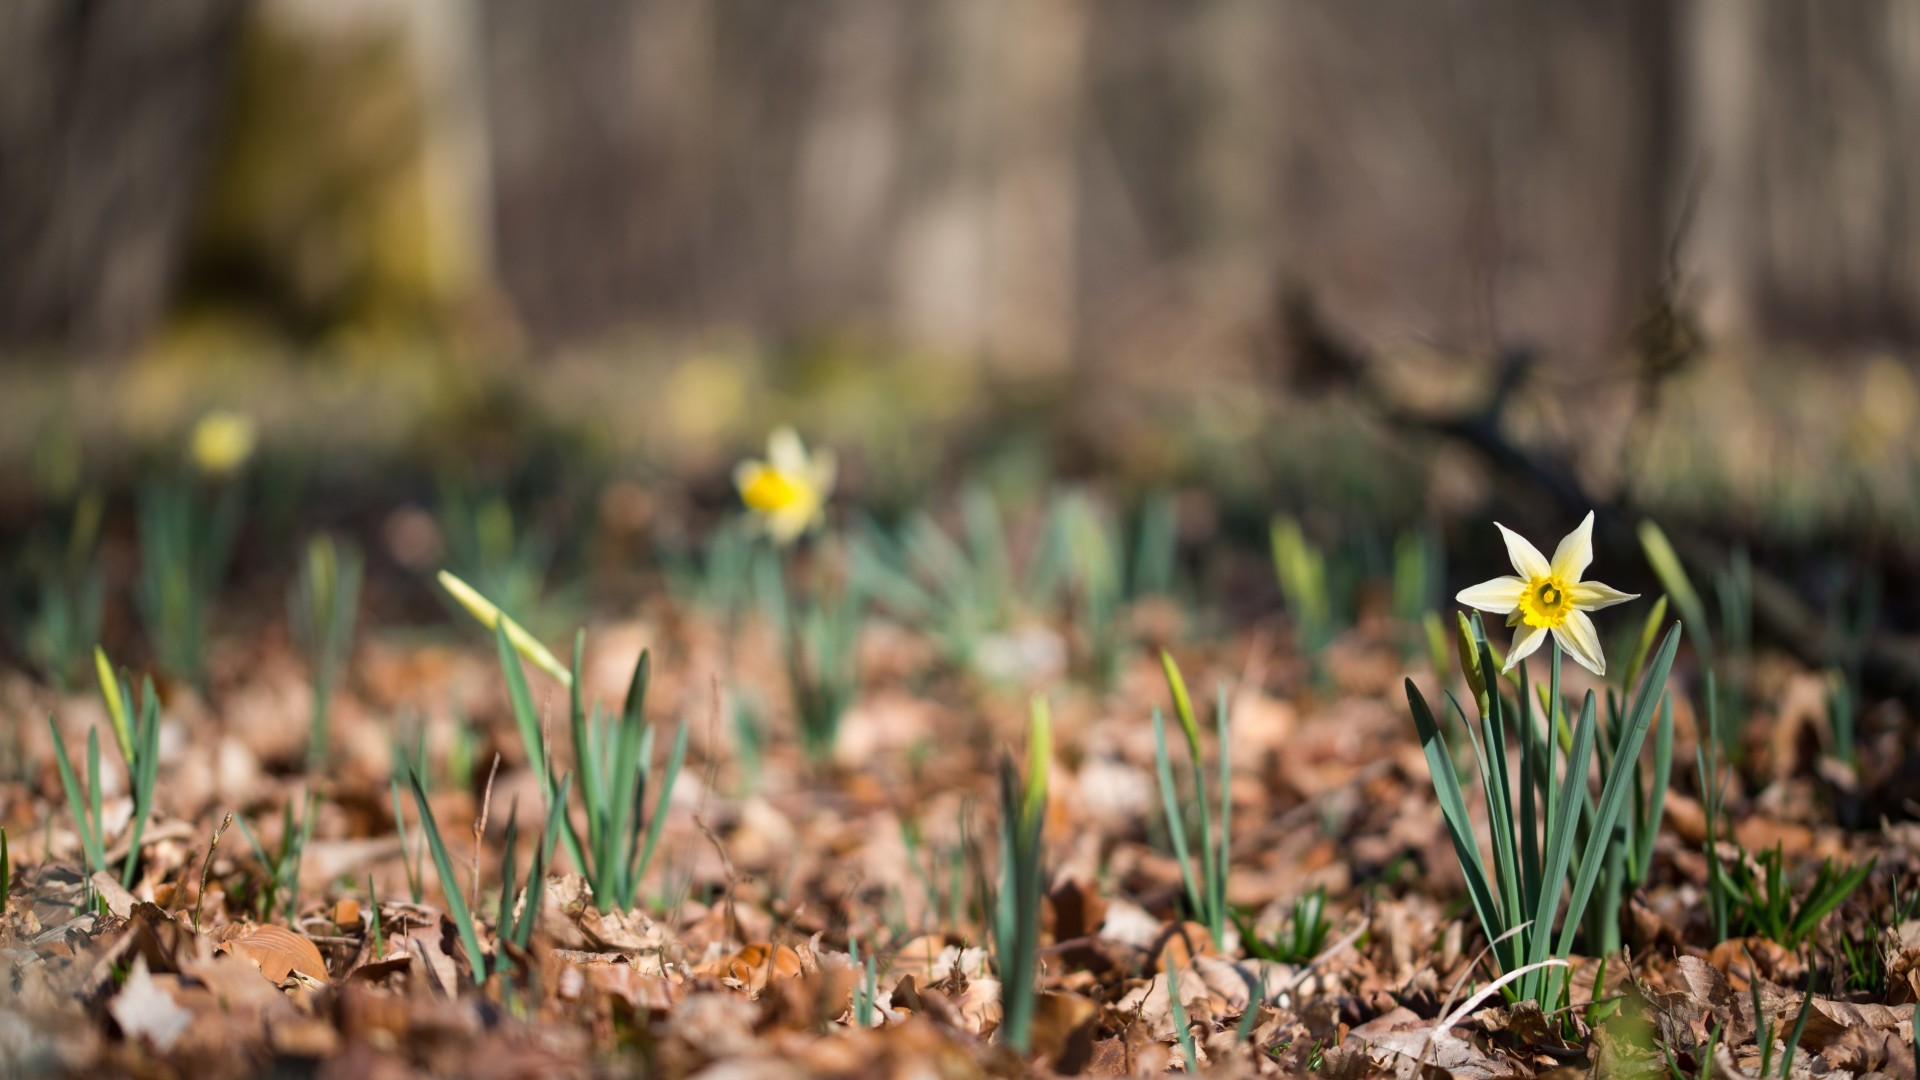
(789, 490)
(221, 442)
(1549, 596)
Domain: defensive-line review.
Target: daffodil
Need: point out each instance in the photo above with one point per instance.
(491, 617)
(222, 441)
(789, 490)
(1549, 596)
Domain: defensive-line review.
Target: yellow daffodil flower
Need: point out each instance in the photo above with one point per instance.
(222, 441)
(789, 490)
(1549, 596)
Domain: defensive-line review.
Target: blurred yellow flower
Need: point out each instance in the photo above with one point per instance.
(222, 441)
(1549, 596)
(789, 490)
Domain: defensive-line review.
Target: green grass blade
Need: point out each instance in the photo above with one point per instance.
(1494, 777)
(1531, 883)
(1648, 631)
(1673, 578)
(1829, 892)
(632, 759)
(675, 758)
(1559, 853)
(407, 861)
(1799, 1029)
(537, 877)
(1652, 687)
(142, 770)
(504, 911)
(1224, 860)
(94, 813)
(90, 845)
(1170, 804)
(1657, 797)
(1453, 810)
(524, 715)
(528, 721)
(585, 755)
(450, 884)
(1182, 1029)
(110, 692)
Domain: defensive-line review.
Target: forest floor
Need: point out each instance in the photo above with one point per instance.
(830, 914)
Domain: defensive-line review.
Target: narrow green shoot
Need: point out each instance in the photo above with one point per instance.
(283, 865)
(321, 608)
(83, 802)
(1799, 1029)
(1673, 578)
(71, 592)
(1761, 898)
(866, 988)
(509, 928)
(819, 633)
(410, 855)
(1843, 718)
(1182, 1026)
(137, 735)
(1016, 908)
(1243, 1029)
(373, 919)
(1207, 889)
(1304, 936)
(615, 763)
(457, 909)
(1435, 632)
(186, 540)
(1104, 574)
(1302, 571)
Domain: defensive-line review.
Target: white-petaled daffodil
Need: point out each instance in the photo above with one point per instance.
(1549, 596)
(789, 490)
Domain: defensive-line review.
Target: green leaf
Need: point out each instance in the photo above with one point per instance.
(1453, 811)
(450, 884)
(1170, 804)
(86, 826)
(1613, 796)
(116, 703)
(675, 758)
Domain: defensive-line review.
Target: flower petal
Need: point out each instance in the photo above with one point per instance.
(1593, 596)
(1527, 559)
(821, 472)
(1575, 553)
(785, 526)
(1525, 640)
(1581, 641)
(746, 472)
(785, 452)
(1498, 596)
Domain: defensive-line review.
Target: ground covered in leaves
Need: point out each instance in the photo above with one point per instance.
(777, 877)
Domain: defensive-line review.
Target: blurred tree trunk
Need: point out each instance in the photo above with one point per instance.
(109, 110)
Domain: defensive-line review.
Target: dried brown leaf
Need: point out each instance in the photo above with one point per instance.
(280, 952)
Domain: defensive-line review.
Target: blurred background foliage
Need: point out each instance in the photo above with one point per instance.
(1376, 264)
